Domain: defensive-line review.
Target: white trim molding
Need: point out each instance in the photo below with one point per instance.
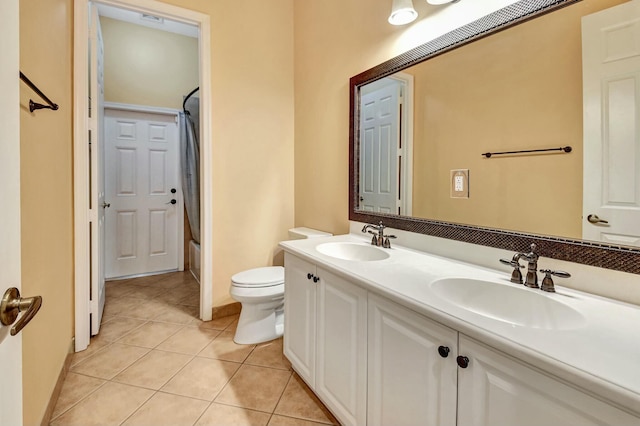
(141, 108)
(81, 152)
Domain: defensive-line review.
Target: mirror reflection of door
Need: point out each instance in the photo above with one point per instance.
(385, 150)
(611, 80)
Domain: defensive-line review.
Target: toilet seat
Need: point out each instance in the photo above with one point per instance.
(259, 277)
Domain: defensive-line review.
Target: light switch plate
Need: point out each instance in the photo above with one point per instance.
(460, 183)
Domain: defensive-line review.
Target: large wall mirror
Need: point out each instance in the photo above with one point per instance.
(519, 79)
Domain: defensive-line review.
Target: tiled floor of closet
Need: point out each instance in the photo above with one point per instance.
(155, 363)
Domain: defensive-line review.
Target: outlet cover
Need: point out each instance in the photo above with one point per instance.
(460, 183)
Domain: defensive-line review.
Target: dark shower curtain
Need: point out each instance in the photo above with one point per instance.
(190, 162)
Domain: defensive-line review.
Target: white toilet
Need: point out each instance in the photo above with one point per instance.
(261, 293)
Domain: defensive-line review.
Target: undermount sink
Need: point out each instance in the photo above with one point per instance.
(353, 251)
(504, 302)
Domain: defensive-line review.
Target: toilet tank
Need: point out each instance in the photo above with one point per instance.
(302, 233)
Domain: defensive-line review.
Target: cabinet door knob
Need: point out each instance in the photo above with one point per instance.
(316, 279)
(309, 276)
(443, 351)
(463, 361)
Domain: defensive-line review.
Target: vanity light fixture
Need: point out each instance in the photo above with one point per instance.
(439, 2)
(402, 12)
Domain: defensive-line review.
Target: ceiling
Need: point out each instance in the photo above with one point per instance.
(149, 21)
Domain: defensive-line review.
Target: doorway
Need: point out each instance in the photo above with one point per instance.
(87, 210)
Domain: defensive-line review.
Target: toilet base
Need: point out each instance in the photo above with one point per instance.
(259, 324)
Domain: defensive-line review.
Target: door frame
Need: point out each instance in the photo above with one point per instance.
(83, 215)
(11, 401)
(117, 106)
(406, 125)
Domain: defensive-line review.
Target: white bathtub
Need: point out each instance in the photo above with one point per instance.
(194, 259)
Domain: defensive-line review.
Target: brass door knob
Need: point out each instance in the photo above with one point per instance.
(593, 218)
(12, 304)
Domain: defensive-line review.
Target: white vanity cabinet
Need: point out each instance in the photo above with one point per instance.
(412, 367)
(497, 390)
(373, 361)
(326, 337)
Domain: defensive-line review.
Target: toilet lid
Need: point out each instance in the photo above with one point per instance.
(259, 277)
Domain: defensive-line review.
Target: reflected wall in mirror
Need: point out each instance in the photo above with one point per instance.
(517, 89)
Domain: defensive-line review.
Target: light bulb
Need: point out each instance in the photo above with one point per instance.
(402, 12)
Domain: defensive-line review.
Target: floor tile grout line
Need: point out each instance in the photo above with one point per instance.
(130, 344)
(104, 382)
(164, 384)
(306, 419)
(283, 390)
(227, 404)
(138, 408)
(228, 381)
(129, 365)
(202, 414)
(166, 392)
(175, 374)
(74, 365)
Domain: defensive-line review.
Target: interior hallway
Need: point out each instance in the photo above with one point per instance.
(155, 363)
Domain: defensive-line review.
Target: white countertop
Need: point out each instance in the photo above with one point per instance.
(601, 356)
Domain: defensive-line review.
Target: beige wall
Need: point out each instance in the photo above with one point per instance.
(335, 40)
(516, 90)
(46, 198)
(252, 133)
(144, 66)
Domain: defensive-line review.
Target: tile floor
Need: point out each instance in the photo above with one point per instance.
(154, 363)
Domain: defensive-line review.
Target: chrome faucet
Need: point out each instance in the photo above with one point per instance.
(532, 271)
(532, 268)
(378, 239)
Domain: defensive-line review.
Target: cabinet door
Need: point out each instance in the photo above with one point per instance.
(409, 382)
(341, 375)
(300, 317)
(496, 390)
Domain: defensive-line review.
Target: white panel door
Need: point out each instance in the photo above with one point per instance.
(10, 346)
(379, 139)
(496, 390)
(142, 186)
(98, 205)
(409, 382)
(341, 348)
(611, 79)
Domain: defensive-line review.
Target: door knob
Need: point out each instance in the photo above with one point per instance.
(173, 201)
(106, 205)
(173, 190)
(463, 361)
(593, 218)
(443, 351)
(12, 304)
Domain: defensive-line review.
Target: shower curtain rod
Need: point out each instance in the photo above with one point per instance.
(34, 105)
(184, 103)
